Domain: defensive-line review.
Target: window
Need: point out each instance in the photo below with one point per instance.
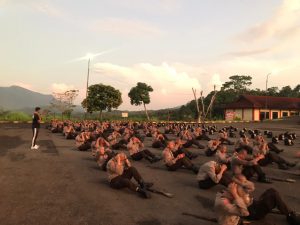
(284, 114)
(274, 115)
(264, 115)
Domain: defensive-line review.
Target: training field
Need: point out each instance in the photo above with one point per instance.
(59, 185)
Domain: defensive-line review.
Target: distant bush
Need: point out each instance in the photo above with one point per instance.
(14, 116)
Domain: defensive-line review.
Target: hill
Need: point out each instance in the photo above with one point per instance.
(18, 98)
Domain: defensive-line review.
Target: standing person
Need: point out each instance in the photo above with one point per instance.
(36, 124)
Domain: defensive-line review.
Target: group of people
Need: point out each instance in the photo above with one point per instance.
(115, 144)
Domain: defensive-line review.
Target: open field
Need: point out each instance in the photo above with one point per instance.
(59, 185)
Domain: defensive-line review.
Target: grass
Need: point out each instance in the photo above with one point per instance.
(15, 116)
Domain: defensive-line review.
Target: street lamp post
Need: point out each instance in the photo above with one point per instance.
(89, 57)
(266, 104)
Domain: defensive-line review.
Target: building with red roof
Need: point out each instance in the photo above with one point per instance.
(256, 108)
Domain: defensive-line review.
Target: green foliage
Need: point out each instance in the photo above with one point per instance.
(102, 97)
(140, 94)
(14, 116)
(237, 83)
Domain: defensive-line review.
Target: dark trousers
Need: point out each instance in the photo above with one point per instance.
(249, 172)
(248, 148)
(159, 144)
(70, 136)
(110, 155)
(185, 151)
(273, 147)
(269, 200)
(272, 157)
(208, 183)
(226, 141)
(180, 163)
(189, 143)
(146, 154)
(124, 180)
(35, 133)
(203, 137)
(210, 152)
(119, 145)
(84, 147)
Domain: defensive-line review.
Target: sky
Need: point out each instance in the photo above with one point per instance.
(172, 45)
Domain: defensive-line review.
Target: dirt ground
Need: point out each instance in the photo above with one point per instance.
(59, 185)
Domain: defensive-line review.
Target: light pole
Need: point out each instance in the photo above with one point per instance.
(89, 57)
(266, 104)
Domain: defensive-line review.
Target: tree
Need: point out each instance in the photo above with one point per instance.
(238, 83)
(140, 95)
(102, 97)
(286, 91)
(64, 102)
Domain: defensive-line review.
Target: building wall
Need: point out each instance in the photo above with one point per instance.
(256, 114)
(239, 113)
(248, 113)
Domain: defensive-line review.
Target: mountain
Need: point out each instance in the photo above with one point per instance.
(18, 98)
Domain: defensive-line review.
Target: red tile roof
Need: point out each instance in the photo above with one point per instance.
(252, 101)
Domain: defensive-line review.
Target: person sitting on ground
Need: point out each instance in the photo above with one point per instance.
(69, 132)
(114, 141)
(178, 149)
(120, 172)
(83, 141)
(222, 157)
(242, 163)
(102, 156)
(159, 140)
(173, 163)
(243, 142)
(190, 140)
(235, 203)
(223, 137)
(135, 150)
(259, 139)
(211, 173)
(200, 134)
(100, 142)
(212, 146)
(270, 157)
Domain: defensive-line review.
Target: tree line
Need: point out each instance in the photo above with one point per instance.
(105, 98)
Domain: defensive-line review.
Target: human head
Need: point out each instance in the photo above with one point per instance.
(37, 109)
(242, 153)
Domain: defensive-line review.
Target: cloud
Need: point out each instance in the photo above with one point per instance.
(61, 87)
(47, 9)
(172, 87)
(156, 6)
(126, 27)
(249, 52)
(283, 21)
